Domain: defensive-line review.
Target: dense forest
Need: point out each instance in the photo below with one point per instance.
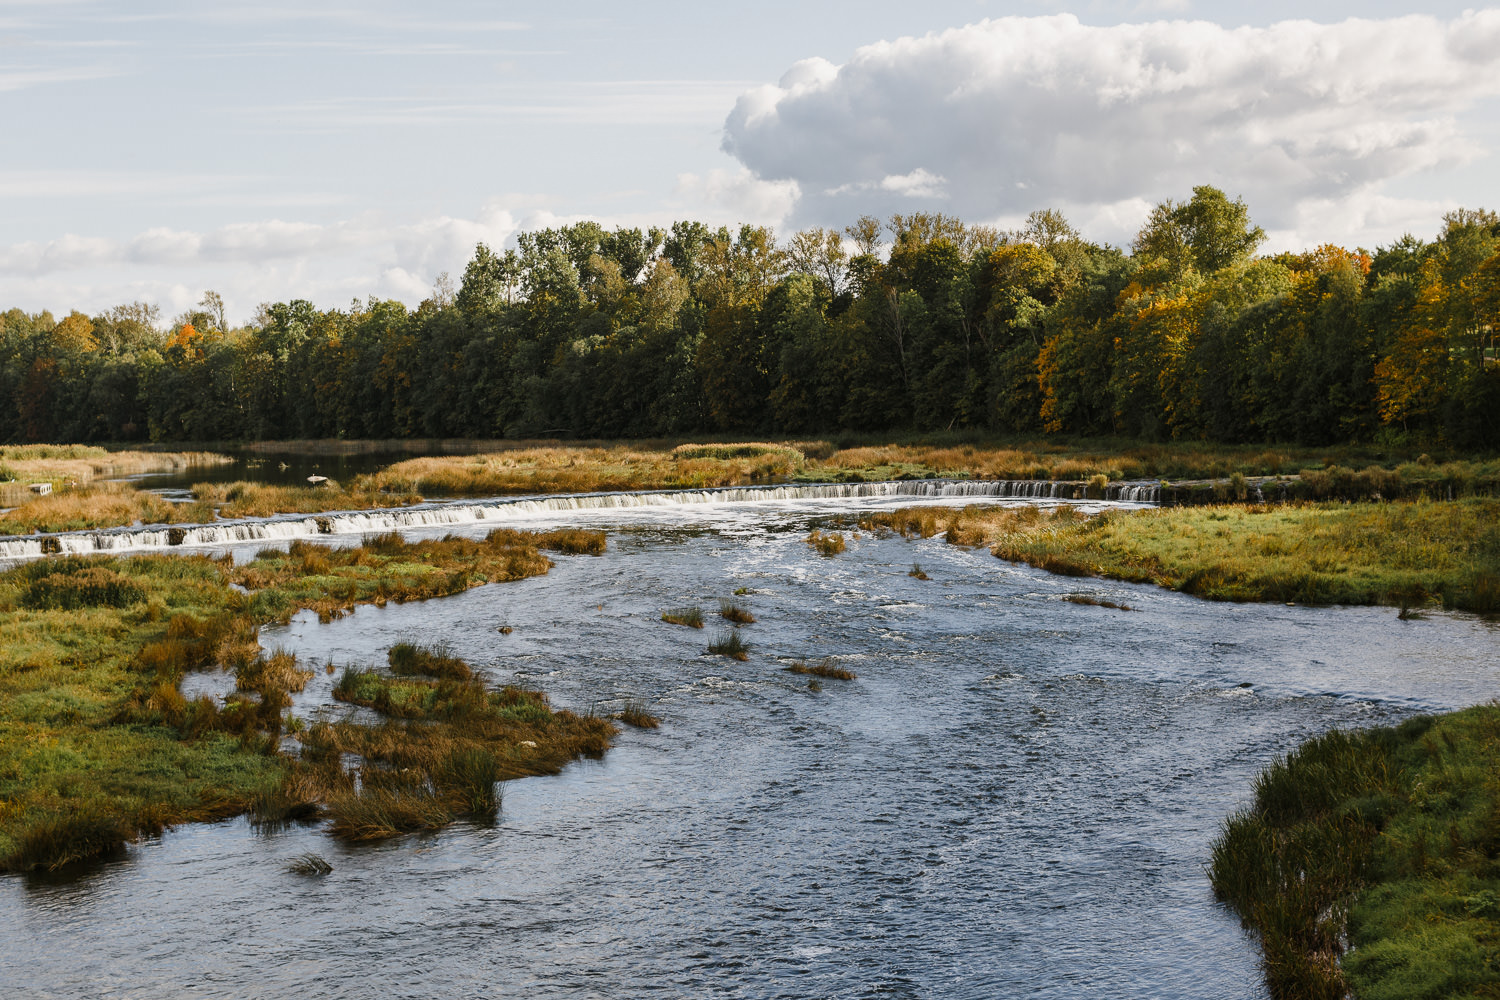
(922, 324)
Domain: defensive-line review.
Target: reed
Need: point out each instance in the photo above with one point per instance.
(917, 572)
(730, 645)
(690, 616)
(826, 668)
(732, 612)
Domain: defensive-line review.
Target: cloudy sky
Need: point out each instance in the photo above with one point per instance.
(336, 150)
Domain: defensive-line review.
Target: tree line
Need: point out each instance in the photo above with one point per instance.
(923, 323)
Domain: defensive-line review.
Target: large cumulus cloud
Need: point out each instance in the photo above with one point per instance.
(1001, 117)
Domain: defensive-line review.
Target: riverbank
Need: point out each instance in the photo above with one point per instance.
(1366, 862)
(98, 745)
(1172, 474)
(1405, 554)
(68, 466)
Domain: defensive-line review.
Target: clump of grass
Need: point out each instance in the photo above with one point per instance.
(406, 659)
(826, 668)
(1097, 602)
(309, 864)
(691, 617)
(634, 714)
(730, 645)
(54, 839)
(90, 586)
(741, 591)
(917, 572)
(732, 612)
(826, 543)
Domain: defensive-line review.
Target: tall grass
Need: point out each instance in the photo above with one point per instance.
(736, 613)
(692, 617)
(730, 645)
(826, 543)
(1381, 840)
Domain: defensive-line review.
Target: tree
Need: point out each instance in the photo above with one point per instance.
(1207, 233)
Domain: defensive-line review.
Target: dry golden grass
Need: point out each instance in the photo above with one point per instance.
(98, 506)
(588, 470)
(243, 499)
(827, 668)
(69, 466)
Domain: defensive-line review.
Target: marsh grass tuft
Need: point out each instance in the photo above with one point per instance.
(634, 714)
(732, 612)
(917, 572)
(826, 668)
(730, 645)
(1097, 602)
(406, 659)
(309, 864)
(826, 543)
(691, 617)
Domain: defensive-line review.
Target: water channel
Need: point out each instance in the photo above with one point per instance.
(1014, 798)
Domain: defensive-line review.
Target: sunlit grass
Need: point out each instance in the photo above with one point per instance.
(1383, 553)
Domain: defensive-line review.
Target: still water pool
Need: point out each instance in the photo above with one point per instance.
(1014, 798)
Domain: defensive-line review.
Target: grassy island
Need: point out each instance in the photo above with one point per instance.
(98, 745)
(1403, 554)
(1367, 862)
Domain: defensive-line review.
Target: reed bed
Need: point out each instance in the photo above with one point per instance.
(97, 506)
(1442, 552)
(98, 745)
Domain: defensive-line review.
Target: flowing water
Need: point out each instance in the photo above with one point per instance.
(1015, 798)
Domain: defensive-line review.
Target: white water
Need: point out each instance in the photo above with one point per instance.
(458, 513)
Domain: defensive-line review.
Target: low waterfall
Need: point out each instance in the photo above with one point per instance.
(456, 513)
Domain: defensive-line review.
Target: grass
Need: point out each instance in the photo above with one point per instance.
(1097, 602)
(98, 745)
(691, 617)
(732, 612)
(917, 573)
(730, 645)
(634, 714)
(309, 864)
(827, 668)
(444, 746)
(69, 465)
(1384, 839)
(826, 543)
(1445, 552)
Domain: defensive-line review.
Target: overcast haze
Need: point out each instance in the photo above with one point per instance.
(153, 150)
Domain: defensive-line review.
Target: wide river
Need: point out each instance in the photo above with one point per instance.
(1015, 798)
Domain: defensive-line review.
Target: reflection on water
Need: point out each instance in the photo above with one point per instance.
(1014, 798)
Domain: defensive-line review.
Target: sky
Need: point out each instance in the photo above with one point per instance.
(332, 151)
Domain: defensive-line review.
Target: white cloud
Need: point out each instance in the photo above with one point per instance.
(730, 196)
(1018, 113)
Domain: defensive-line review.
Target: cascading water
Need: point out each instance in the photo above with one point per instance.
(436, 515)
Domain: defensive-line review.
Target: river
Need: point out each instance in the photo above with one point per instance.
(1014, 798)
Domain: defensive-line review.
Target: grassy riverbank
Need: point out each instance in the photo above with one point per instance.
(1197, 474)
(68, 466)
(1403, 554)
(98, 746)
(1384, 840)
